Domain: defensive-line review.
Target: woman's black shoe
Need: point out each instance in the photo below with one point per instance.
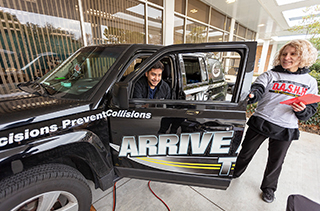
(268, 195)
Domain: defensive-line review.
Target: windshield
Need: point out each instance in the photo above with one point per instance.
(76, 77)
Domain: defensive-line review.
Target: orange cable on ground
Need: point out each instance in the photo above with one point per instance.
(157, 196)
(114, 197)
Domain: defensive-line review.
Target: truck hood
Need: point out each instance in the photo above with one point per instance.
(18, 108)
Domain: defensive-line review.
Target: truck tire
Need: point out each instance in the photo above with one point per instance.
(46, 187)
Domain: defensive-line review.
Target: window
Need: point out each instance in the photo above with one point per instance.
(235, 30)
(231, 62)
(196, 33)
(192, 68)
(250, 35)
(200, 70)
(215, 35)
(133, 66)
(198, 10)
(226, 37)
(29, 31)
(76, 78)
(217, 19)
(120, 21)
(180, 6)
(158, 2)
(155, 25)
(228, 23)
(153, 83)
(178, 30)
(242, 31)
(214, 68)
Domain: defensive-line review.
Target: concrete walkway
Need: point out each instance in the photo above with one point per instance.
(300, 175)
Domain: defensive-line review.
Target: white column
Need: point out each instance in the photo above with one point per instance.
(146, 21)
(263, 58)
(232, 24)
(82, 23)
(227, 63)
(273, 54)
(168, 22)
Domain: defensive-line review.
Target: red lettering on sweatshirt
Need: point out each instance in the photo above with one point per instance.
(296, 90)
(275, 86)
(283, 87)
(289, 88)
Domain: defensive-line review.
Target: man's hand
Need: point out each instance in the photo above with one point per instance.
(298, 106)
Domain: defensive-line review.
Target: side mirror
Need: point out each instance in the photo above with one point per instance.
(120, 95)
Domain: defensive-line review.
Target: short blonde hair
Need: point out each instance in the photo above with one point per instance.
(308, 54)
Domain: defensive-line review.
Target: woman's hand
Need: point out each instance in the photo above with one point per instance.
(251, 95)
(298, 106)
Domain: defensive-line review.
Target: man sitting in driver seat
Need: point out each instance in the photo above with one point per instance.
(151, 86)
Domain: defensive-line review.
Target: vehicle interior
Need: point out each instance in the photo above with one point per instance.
(198, 70)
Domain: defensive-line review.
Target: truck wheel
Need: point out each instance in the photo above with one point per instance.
(46, 187)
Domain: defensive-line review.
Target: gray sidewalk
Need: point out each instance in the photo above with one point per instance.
(300, 175)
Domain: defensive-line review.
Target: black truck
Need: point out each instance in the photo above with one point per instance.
(79, 122)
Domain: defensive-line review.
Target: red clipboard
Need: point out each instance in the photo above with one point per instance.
(306, 99)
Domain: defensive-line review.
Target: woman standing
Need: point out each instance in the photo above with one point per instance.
(289, 78)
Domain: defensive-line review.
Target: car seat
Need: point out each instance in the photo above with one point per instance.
(166, 74)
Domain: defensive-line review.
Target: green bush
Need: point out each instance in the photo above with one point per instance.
(316, 66)
(315, 120)
(316, 75)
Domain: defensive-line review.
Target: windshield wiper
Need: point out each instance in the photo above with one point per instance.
(26, 87)
(50, 90)
(34, 87)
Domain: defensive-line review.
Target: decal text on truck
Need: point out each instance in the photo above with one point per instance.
(67, 123)
(17, 137)
(172, 144)
(161, 152)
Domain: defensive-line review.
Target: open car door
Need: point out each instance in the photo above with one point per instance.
(193, 137)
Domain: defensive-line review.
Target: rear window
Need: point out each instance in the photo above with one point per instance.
(193, 67)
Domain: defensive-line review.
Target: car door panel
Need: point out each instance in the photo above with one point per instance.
(181, 141)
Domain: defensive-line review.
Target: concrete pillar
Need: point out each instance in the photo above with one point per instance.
(83, 31)
(263, 58)
(168, 22)
(232, 24)
(273, 54)
(231, 32)
(146, 21)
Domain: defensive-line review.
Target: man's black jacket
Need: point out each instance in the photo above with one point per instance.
(141, 89)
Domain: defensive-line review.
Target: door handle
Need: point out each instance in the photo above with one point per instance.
(220, 128)
(192, 113)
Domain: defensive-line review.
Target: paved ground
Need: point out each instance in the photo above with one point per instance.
(300, 175)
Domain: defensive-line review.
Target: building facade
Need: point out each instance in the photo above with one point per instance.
(36, 35)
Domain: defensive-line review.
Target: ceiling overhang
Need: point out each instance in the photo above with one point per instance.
(252, 13)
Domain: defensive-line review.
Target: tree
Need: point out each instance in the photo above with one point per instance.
(310, 25)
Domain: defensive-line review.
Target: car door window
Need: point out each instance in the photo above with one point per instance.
(165, 87)
(134, 65)
(204, 76)
(203, 69)
(192, 69)
(231, 63)
(199, 75)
